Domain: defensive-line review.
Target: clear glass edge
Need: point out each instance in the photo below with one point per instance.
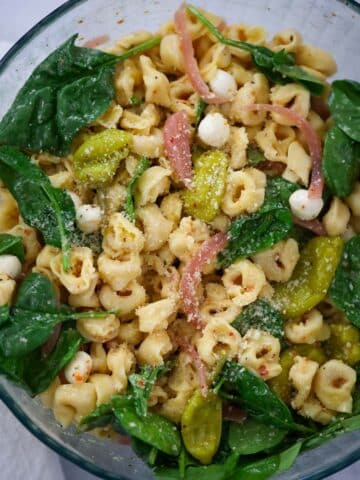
(25, 420)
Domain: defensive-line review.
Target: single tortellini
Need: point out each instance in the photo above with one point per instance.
(156, 83)
(245, 192)
(288, 40)
(217, 305)
(255, 90)
(314, 409)
(104, 386)
(219, 340)
(336, 218)
(333, 385)
(121, 271)
(153, 183)
(126, 300)
(187, 238)
(298, 164)
(9, 213)
(154, 347)
(301, 376)
(121, 237)
(73, 401)
(156, 315)
(243, 281)
(87, 299)
(156, 227)
(239, 142)
(309, 328)
(259, 351)
(316, 58)
(110, 118)
(142, 123)
(278, 262)
(290, 94)
(99, 329)
(129, 332)
(171, 54)
(121, 362)
(7, 289)
(274, 140)
(151, 146)
(82, 270)
(127, 77)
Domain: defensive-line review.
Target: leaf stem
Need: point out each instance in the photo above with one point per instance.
(105, 314)
(142, 47)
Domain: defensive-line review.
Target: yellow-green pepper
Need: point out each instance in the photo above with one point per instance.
(311, 278)
(201, 424)
(98, 158)
(344, 343)
(203, 199)
(280, 384)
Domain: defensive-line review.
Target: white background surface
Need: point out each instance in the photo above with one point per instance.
(22, 457)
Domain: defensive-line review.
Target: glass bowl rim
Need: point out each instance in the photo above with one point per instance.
(54, 445)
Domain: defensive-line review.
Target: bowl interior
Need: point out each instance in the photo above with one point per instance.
(330, 24)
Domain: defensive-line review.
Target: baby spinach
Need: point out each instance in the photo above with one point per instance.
(12, 245)
(338, 427)
(344, 103)
(102, 416)
(153, 429)
(341, 162)
(279, 67)
(143, 165)
(142, 384)
(345, 288)
(262, 315)
(71, 88)
(254, 155)
(251, 436)
(199, 111)
(42, 206)
(278, 191)
(4, 314)
(257, 398)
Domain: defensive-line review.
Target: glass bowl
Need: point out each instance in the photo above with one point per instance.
(331, 24)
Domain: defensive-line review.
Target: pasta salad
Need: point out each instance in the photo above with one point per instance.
(180, 245)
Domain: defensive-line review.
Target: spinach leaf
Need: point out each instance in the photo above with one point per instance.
(143, 165)
(279, 67)
(341, 162)
(252, 436)
(199, 111)
(254, 155)
(339, 427)
(262, 315)
(345, 288)
(4, 314)
(251, 233)
(257, 398)
(42, 206)
(71, 88)
(142, 384)
(100, 417)
(153, 429)
(12, 245)
(13, 368)
(40, 372)
(344, 103)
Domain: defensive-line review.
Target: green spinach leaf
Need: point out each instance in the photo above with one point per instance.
(135, 101)
(341, 162)
(143, 165)
(344, 103)
(142, 384)
(100, 417)
(71, 88)
(42, 206)
(254, 155)
(199, 111)
(153, 429)
(262, 315)
(4, 314)
(279, 67)
(345, 288)
(12, 245)
(13, 368)
(339, 427)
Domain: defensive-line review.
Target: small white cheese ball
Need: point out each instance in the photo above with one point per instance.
(79, 368)
(75, 198)
(214, 130)
(10, 265)
(304, 207)
(88, 218)
(223, 84)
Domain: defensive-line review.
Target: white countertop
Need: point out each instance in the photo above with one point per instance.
(16, 17)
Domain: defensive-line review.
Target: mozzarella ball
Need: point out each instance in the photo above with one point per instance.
(10, 265)
(79, 368)
(75, 198)
(303, 206)
(214, 130)
(88, 218)
(224, 85)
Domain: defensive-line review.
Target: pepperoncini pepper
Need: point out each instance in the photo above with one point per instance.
(203, 199)
(280, 384)
(311, 278)
(201, 424)
(98, 158)
(344, 343)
